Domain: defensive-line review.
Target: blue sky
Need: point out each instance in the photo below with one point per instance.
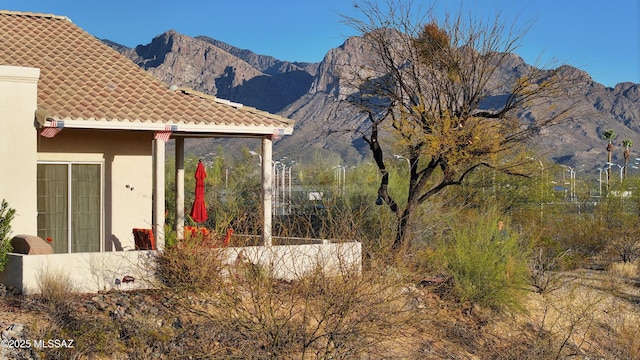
(600, 37)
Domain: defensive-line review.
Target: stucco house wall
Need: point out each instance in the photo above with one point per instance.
(18, 101)
(127, 176)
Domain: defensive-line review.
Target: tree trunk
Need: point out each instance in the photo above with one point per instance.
(627, 155)
(400, 241)
(609, 161)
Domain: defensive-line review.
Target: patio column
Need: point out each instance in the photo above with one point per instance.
(179, 224)
(158, 193)
(267, 188)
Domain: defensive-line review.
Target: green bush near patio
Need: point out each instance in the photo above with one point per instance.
(6, 216)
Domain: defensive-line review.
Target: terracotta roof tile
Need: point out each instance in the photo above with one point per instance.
(83, 79)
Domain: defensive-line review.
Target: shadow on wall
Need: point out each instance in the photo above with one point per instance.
(116, 243)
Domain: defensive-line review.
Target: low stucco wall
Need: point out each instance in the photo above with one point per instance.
(88, 272)
(292, 261)
(93, 272)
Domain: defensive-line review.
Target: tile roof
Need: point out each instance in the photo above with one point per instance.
(86, 83)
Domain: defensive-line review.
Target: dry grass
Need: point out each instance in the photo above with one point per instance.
(586, 317)
(625, 270)
(316, 316)
(375, 315)
(56, 288)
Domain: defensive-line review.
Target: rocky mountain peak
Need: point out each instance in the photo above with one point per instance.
(264, 63)
(185, 61)
(337, 65)
(219, 69)
(309, 94)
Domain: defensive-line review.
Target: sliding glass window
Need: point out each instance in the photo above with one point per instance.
(70, 206)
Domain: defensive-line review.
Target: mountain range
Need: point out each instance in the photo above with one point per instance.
(309, 92)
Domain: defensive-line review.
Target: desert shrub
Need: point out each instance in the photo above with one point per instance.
(56, 299)
(617, 225)
(544, 268)
(358, 218)
(170, 237)
(189, 264)
(94, 338)
(625, 244)
(566, 324)
(359, 315)
(6, 216)
(488, 265)
(626, 338)
(56, 289)
(317, 316)
(563, 241)
(623, 238)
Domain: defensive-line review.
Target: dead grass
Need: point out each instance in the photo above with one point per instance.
(56, 289)
(625, 270)
(586, 316)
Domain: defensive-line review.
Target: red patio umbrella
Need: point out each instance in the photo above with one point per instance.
(199, 209)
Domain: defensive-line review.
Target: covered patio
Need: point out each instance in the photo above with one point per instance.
(159, 182)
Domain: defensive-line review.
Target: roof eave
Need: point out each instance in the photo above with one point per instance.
(284, 129)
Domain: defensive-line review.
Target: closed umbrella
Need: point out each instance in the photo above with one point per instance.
(199, 208)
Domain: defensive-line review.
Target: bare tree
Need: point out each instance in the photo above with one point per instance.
(437, 87)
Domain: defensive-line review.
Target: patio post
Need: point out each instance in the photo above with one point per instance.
(267, 188)
(179, 222)
(158, 193)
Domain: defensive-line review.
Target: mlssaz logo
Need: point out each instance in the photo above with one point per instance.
(54, 344)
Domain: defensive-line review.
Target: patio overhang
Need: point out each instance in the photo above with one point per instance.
(179, 131)
(185, 130)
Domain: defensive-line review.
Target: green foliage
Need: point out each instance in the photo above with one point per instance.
(562, 233)
(617, 220)
(170, 238)
(608, 134)
(6, 216)
(510, 193)
(232, 191)
(488, 265)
